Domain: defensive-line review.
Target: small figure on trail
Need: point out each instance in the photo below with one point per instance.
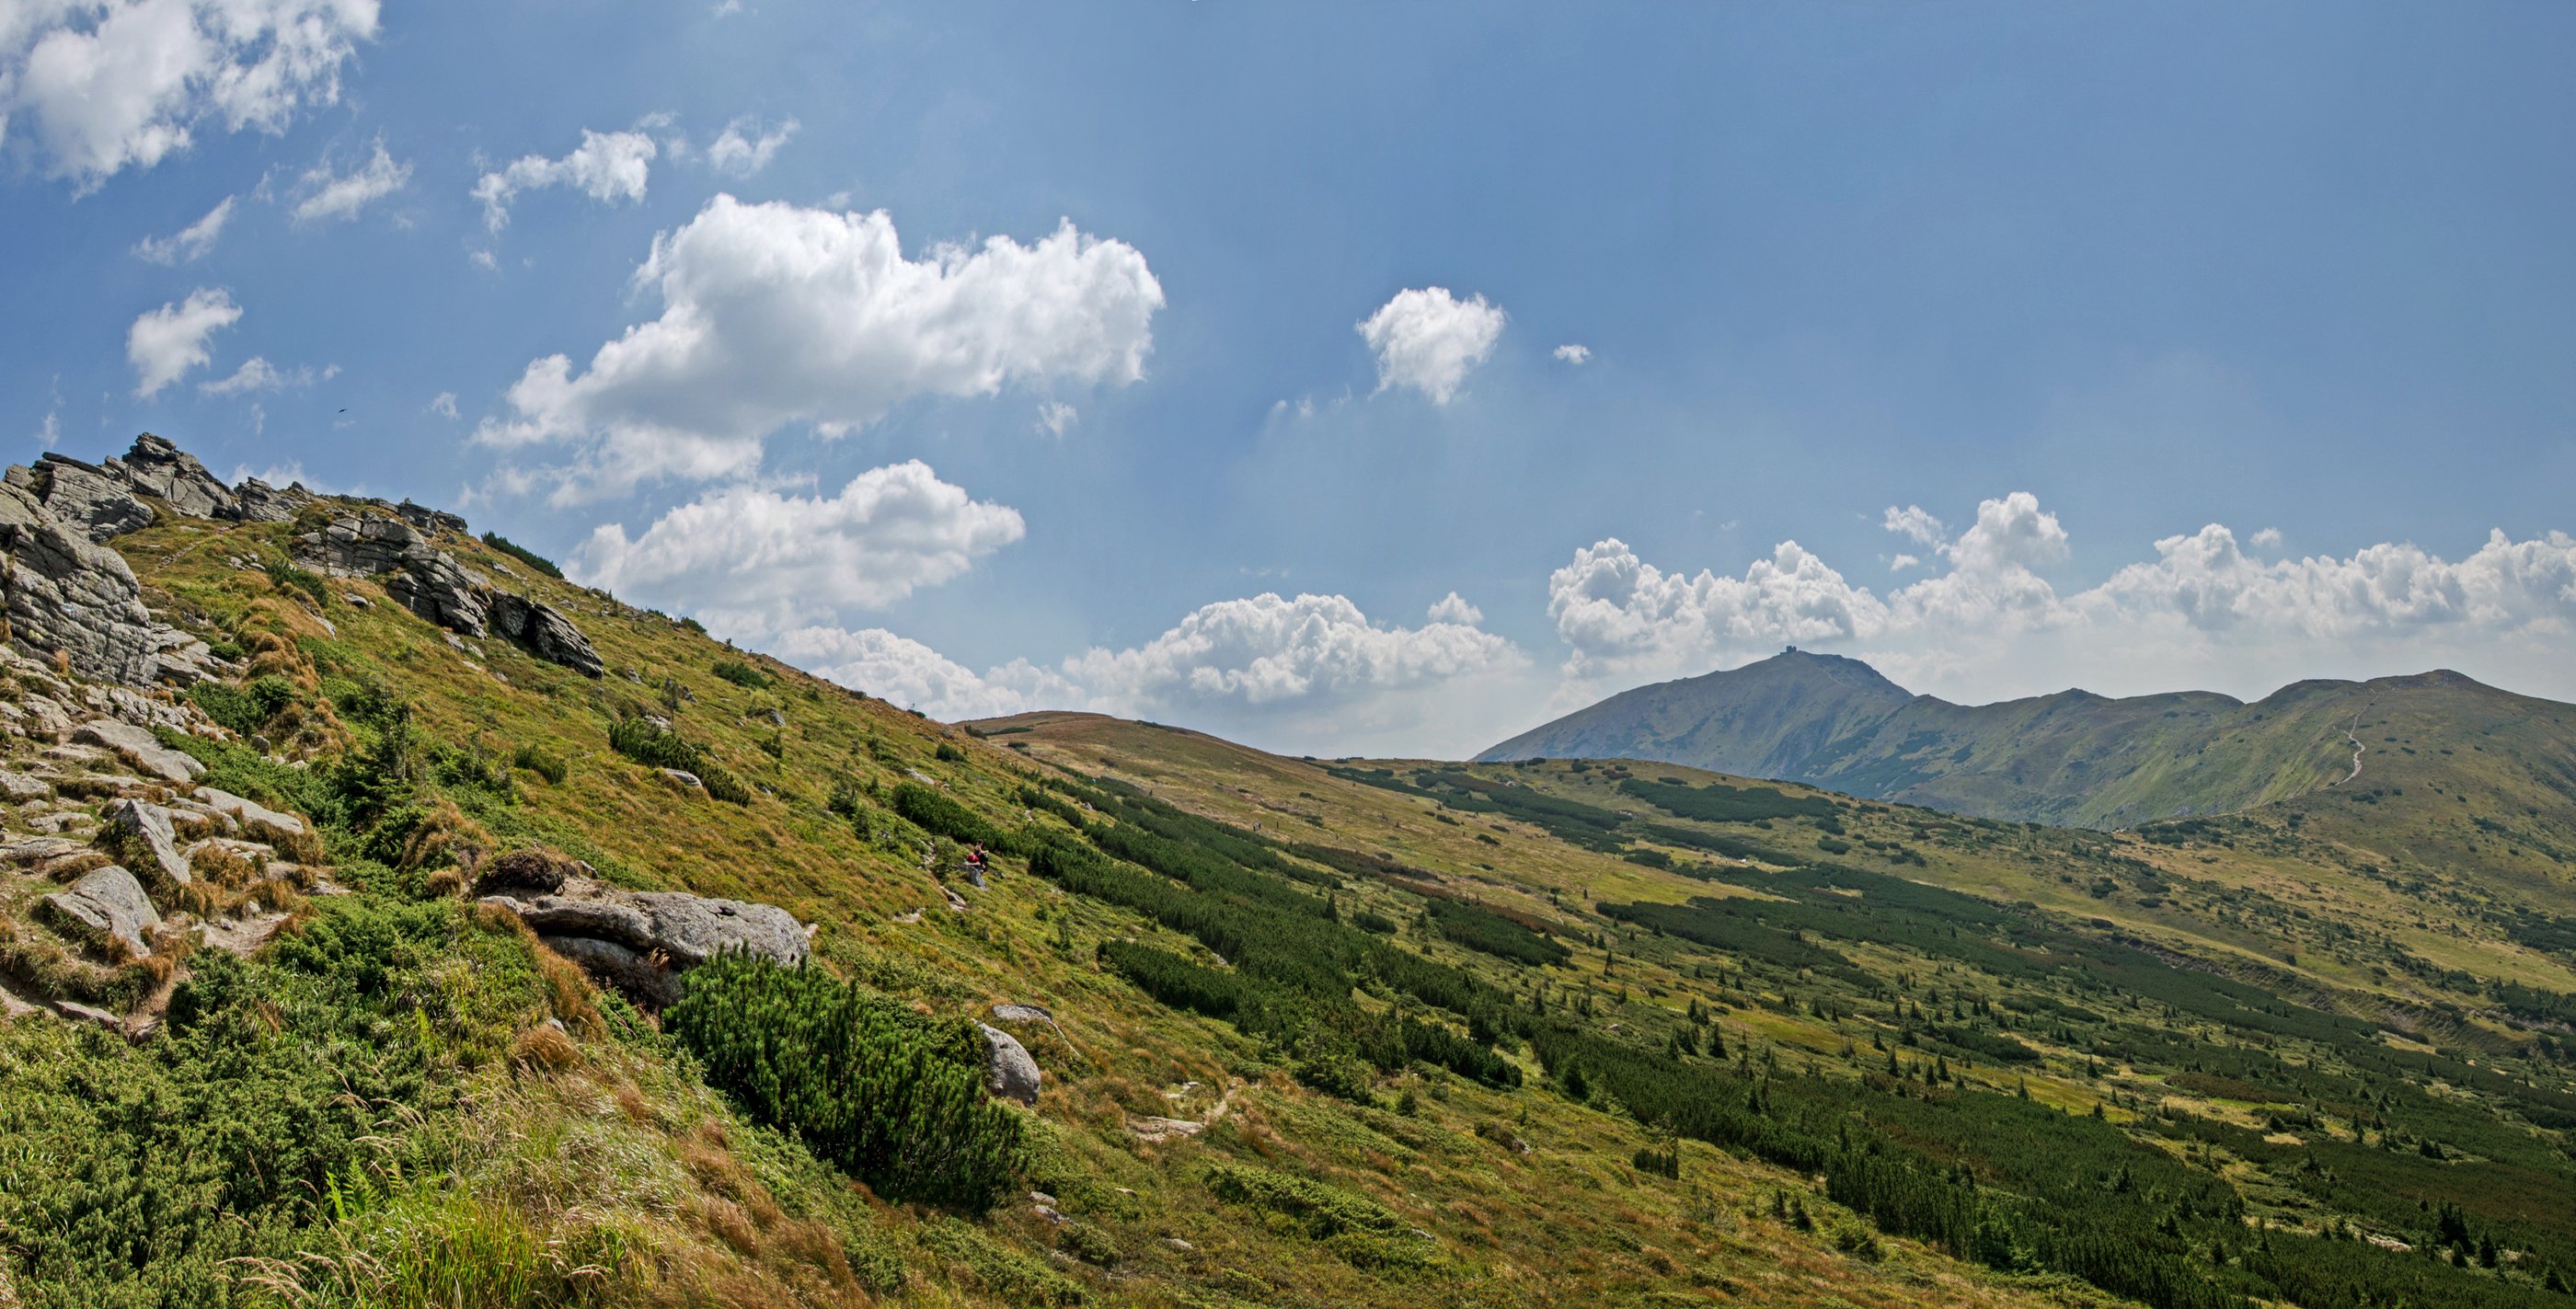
(975, 861)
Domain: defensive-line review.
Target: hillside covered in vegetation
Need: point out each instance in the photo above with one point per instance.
(501, 943)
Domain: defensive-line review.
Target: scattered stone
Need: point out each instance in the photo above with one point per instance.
(38, 850)
(1178, 1244)
(683, 779)
(105, 904)
(141, 749)
(956, 902)
(255, 818)
(244, 934)
(1029, 1013)
(1041, 1197)
(1049, 1213)
(146, 829)
(1009, 1072)
(1155, 1131)
(90, 1013)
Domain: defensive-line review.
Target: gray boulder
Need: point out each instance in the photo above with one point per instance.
(646, 982)
(428, 519)
(144, 830)
(68, 595)
(88, 497)
(105, 904)
(664, 932)
(255, 818)
(1009, 1072)
(142, 749)
(156, 467)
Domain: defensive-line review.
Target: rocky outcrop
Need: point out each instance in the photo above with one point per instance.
(86, 496)
(542, 632)
(638, 940)
(261, 503)
(158, 468)
(1009, 1072)
(428, 519)
(71, 598)
(106, 904)
(431, 583)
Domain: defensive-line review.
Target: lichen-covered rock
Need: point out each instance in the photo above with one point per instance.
(88, 497)
(146, 834)
(1009, 1072)
(105, 904)
(156, 467)
(428, 519)
(670, 931)
(142, 749)
(70, 597)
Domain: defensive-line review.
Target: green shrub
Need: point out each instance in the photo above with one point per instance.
(288, 577)
(523, 554)
(743, 674)
(949, 752)
(536, 760)
(649, 743)
(892, 1098)
(1008, 1274)
(1313, 1207)
(247, 708)
(720, 781)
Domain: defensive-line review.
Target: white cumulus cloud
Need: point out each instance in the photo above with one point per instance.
(606, 166)
(1577, 355)
(2202, 611)
(443, 404)
(774, 313)
(903, 671)
(746, 147)
(751, 561)
(1453, 608)
(1428, 339)
(1055, 417)
(1911, 521)
(165, 343)
(104, 85)
(326, 193)
(190, 243)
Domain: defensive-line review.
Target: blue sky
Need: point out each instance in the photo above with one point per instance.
(2211, 345)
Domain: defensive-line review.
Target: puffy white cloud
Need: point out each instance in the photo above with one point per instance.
(1312, 650)
(190, 243)
(2013, 532)
(165, 343)
(443, 404)
(1428, 339)
(773, 313)
(257, 374)
(2268, 539)
(110, 84)
(1911, 521)
(330, 194)
(1310, 672)
(1055, 417)
(1453, 608)
(2201, 611)
(606, 166)
(750, 561)
(1577, 355)
(906, 672)
(738, 155)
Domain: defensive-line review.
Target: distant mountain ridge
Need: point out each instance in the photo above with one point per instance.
(2072, 758)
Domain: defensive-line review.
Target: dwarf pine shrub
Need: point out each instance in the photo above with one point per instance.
(893, 1098)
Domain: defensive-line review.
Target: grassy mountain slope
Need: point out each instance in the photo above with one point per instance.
(2074, 758)
(2273, 1004)
(406, 1099)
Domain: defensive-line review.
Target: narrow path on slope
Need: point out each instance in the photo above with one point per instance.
(2349, 735)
